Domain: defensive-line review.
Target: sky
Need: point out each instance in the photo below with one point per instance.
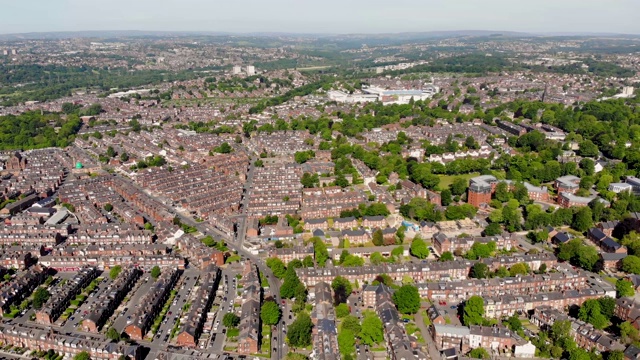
(321, 16)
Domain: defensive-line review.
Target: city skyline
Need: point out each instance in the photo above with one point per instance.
(331, 17)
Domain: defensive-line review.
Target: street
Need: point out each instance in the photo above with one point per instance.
(279, 347)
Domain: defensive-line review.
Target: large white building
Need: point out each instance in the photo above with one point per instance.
(370, 94)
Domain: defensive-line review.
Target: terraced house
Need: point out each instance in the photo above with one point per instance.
(191, 329)
(108, 298)
(63, 293)
(150, 304)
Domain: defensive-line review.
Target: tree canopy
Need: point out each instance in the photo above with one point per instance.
(407, 299)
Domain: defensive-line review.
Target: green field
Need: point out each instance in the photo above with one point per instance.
(446, 180)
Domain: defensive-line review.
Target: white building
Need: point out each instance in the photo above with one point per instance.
(620, 187)
(250, 70)
(634, 182)
(236, 70)
(370, 94)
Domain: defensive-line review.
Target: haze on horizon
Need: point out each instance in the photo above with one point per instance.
(327, 17)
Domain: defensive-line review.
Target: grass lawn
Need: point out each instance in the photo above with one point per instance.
(265, 347)
(446, 180)
(412, 329)
(425, 318)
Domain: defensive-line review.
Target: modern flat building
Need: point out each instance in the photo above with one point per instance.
(634, 182)
(620, 187)
(480, 189)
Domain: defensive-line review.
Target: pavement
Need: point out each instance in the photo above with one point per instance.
(142, 287)
(74, 320)
(217, 346)
(426, 334)
(188, 278)
(279, 347)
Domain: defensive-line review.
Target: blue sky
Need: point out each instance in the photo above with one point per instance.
(325, 16)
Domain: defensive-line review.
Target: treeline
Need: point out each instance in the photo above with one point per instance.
(33, 130)
(595, 67)
(468, 63)
(48, 82)
(299, 91)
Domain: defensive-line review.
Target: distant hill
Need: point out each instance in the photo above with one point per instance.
(403, 36)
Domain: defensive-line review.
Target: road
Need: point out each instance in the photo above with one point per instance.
(188, 278)
(431, 346)
(72, 322)
(274, 283)
(242, 219)
(142, 287)
(230, 294)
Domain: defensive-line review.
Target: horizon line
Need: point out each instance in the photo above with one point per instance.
(265, 32)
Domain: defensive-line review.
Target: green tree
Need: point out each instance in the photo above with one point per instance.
(224, 148)
(479, 270)
(458, 186)
(377, 238)
(473, 311)
(615, 355)
(372, 331)
(502, 272)
(342, 310)
(590, 312)
(583, 219)
(277, 266)
(607, 306)
(628, 332)
(115, 271)
(513, 322)
(113, 334)
(346, 342)
(270, 313)
(631, 264)
(352, 323)
(307, 261)
(446, 197)
(502, 193)
(320, 251)
(299, 332)
(110, 152)
(230, 320)
(82, 356)
(579, 354)
(376, 258)
(624, 288)
(446, 256)
(155, 272)
(290, 284)
(479, 353)
(407, 299)
(400, 234)
(40, 296)
(341, 289)
(108, 207)
(419, 248)
(519, 269)
(492, 229)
